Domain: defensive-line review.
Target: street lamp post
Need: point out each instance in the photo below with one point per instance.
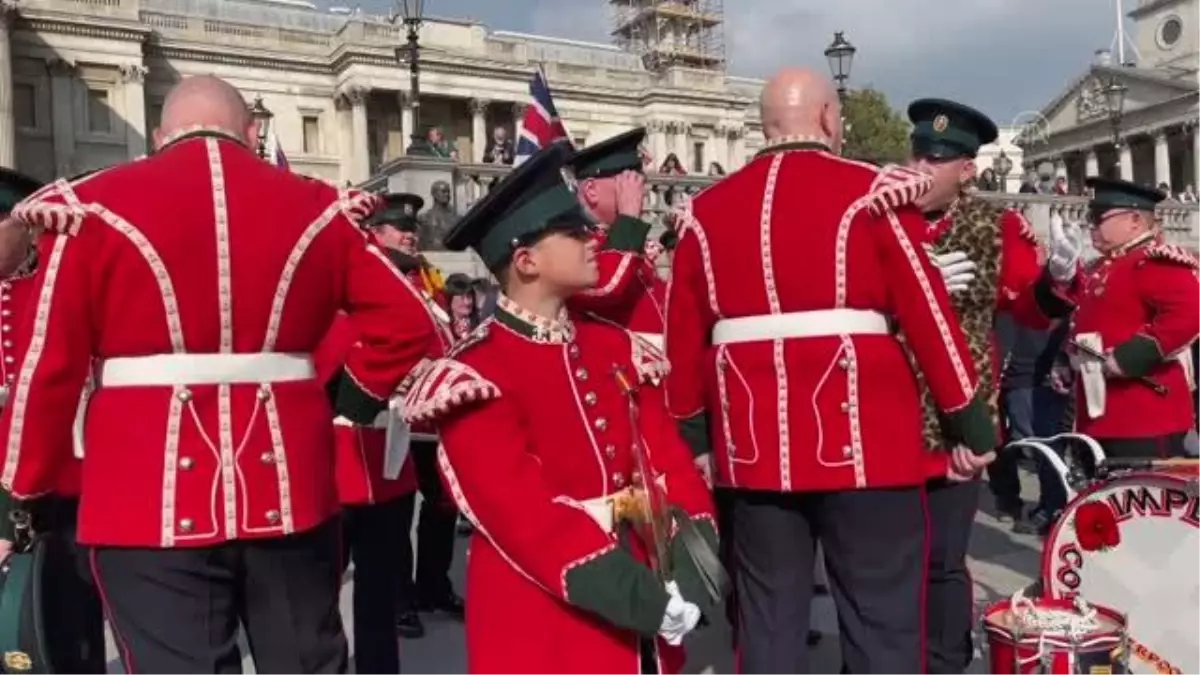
(841, 56)
(412, 13)
(1003, 166)
(262, 118)
(1114, 95)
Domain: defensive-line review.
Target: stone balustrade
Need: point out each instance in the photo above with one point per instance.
(1180, 222)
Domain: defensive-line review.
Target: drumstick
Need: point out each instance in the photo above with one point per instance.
(1158, 387)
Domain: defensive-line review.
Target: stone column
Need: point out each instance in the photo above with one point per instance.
(1196, 156)
(738, 148)
(360, 149)
(479, 132)
(1092, 165)
(1162, 161)
(137, 136)
(1126, 159)
(63, 110)
(1060, 167)
(657, 130)
(406, 118)
(8, 132)
(720, 147)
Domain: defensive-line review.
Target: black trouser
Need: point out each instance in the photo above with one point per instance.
(371, 535)
(71, 606)
(178, 610)
(949, 599)
(1154, 447)
(874, 547)
(435, 531)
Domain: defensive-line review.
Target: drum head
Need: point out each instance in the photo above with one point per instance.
(1133, 543)
(47, 618)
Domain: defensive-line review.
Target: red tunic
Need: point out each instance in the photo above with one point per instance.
(202, 251)
(629, 292)
(532, 426)
(1149, 291)
(826, 412)
(17, 296)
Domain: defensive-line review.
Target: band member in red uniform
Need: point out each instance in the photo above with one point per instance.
(55, 620)
(612, 189)
(1136, 306)
(536, 411)
(201, 279)
(780, 314)
(989, 261)
(395, 227)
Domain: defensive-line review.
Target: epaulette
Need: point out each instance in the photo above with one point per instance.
(442, 386)
(54, 208)
(358, 205)
(1173, 253)
(652, 365)
(896, 186)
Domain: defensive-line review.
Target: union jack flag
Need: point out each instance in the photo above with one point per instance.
(274, 149)
(541, 125)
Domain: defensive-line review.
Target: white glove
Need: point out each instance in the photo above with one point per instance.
(958, 271)
(1066, 247)
(679, 619)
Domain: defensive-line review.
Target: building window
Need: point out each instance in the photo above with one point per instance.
(1169, 32)
(698, 157)
(25, 105)
(311, 128)
(99, 115)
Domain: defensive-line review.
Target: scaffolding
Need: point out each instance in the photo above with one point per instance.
(667, 33)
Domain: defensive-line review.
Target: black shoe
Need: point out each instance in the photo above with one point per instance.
(814, 638)
(820, 589)
(1038, 523)
(448, 602)
(1009, 511)
(409, 625)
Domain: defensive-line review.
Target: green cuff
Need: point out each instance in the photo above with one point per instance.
(685, 571)
(972, 426)
(694, 431)
(6, 523)
(627, 234)
(1048, 300)
(1137, 356)
(354, 403)
(620, 590)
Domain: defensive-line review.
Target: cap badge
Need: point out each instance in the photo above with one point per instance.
(569, 178)
(940, 123)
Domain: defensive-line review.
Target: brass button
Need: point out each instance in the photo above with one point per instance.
(846, 451)
(6, 312)
(273, 516)
(184, 395)
(581, 374)
(186, 525)
(636, 477)
(601, 424)
(264, 393)
(573, 350)
(267, 458)
(590, 398)
(844, 363)
(186, 463)
(618, 480)
(845, 406)
(9, 359)
(610, 451)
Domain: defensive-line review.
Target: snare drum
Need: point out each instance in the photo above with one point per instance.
(1132, 541)
(1054, 636)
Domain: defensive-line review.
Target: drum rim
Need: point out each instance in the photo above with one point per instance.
(1090, 640)
(1050, 546)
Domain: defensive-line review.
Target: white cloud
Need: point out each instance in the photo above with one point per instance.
(1002, 56)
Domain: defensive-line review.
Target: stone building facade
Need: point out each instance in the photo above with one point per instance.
(82, 84)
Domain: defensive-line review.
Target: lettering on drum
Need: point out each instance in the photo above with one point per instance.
(1148, 655)
(1157, 502)
(1071, 559)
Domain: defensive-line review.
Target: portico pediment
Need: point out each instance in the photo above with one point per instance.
(1085, 102)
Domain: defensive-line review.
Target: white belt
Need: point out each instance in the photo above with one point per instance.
(818, 323)
(167, 370)
(1091, 373)
(655, 339)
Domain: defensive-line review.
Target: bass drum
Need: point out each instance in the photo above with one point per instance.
(50, 616)
(1132, 542)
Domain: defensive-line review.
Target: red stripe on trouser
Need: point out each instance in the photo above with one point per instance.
(122, 645)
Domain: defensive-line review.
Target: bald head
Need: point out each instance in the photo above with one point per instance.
(799, 103)
(208, 102)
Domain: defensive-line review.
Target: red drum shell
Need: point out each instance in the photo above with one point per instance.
(1100, 651)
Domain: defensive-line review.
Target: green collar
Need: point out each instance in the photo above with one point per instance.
(531, 326)
(1136, 242)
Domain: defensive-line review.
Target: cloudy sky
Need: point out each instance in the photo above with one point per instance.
(1003, 56)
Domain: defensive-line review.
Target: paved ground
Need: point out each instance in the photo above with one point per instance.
(1001, 563)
